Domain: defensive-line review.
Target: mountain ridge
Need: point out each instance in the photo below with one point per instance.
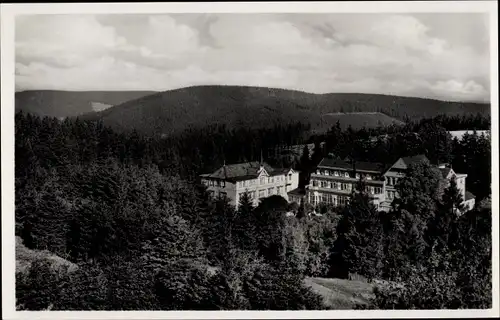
(255, 107)
(165, 112)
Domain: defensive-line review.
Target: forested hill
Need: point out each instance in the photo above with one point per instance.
(61, 104)
(257, 107)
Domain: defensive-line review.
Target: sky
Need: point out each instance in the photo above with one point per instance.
(434, 55)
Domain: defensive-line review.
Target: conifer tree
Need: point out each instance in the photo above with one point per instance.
(245, 224)
(359, 244)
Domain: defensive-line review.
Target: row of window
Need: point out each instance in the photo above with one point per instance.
(391, 194)
(343, 186)
(332, 185)
(392, 181)
(263, 180)
(215, 183)
(329, 199)
(345, 174)
(220, 194)
(263, 193)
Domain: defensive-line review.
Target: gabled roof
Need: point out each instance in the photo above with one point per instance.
(445, 172)
(334, 163)
(343, 164)
(243, 171)
(414, 159)
(404, 162)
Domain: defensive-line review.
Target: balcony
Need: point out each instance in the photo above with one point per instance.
(344, 179)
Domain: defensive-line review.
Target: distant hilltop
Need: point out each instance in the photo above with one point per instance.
(236, 106)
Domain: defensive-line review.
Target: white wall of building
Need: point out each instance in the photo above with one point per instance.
(261, 187)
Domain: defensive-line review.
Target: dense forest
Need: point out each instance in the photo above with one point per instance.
(128, 210)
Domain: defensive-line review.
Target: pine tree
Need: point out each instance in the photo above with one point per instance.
(359, 244)
(443, 224)
(245, 224)
(305, 167)
(317, 155)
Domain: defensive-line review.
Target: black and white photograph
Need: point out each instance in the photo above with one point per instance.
(243, 158)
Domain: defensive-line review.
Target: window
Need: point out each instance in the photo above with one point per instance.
(270, 191)
(336, 173)
(329, 198)
(324, 198)
(223, 184)
(357, 176)
(327, 172)
(262, 193)
(368, 177)
(315, 183)
(280, 189)
(290, 176)
(262, 180)
(372, 190)
(346, 174)
(335, 185)
(324, 184)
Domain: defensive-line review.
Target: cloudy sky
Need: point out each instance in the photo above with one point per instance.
(444, 56)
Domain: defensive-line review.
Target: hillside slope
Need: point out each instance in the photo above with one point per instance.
(71, 103)
(26, 256)
(340, 294)
(357, 120)
(235, 106)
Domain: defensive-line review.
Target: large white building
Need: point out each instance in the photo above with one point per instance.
(334, 180)
(259, 179)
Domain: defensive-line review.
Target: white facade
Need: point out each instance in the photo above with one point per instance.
(262, 185)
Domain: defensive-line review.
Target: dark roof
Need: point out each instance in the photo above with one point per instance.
(445, 171)
(359, 165)
(469, 195)
(414, 159)
(369, 166)
(334, 163)
(243, 171)
(297, 191)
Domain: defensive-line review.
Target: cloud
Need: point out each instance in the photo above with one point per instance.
(373, 53)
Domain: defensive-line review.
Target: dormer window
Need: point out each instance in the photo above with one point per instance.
(358, 176)
(336, 173)
(346, 174)
(368, 177)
